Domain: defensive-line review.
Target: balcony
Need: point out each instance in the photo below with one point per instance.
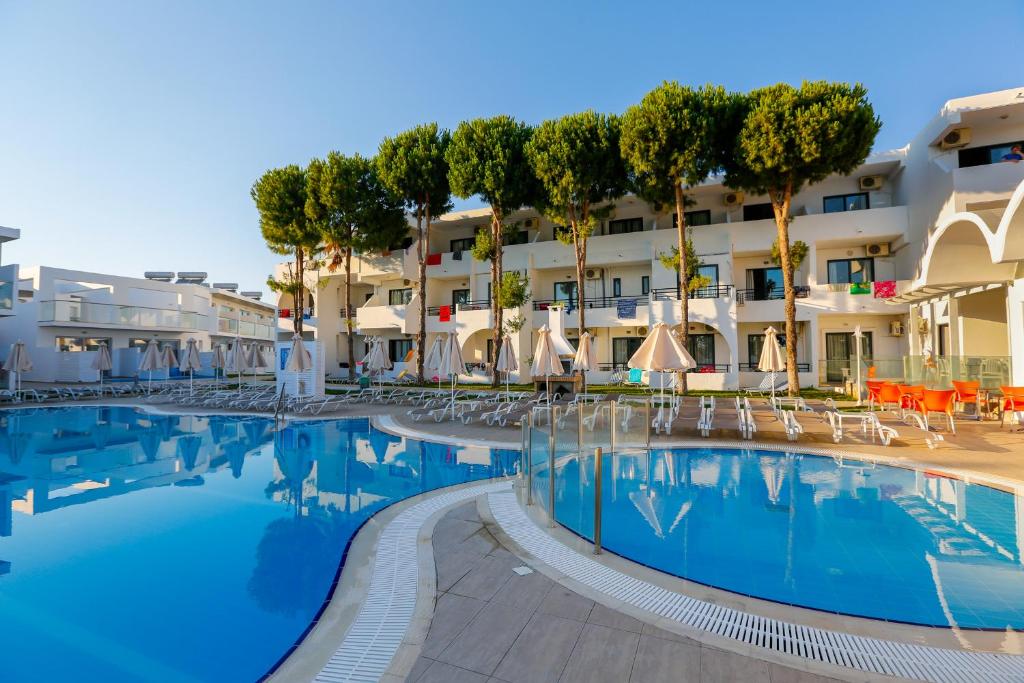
(478, 305)
(376, 317)
(117, 315)
(246, 328)
(772, 294)
(988, 186)
(711, 292)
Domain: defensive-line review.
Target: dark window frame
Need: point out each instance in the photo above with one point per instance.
(393, 346)
(645, 285)
(753, 212)
(849, 272)
(616, 286)
(625, 226)
(715, 281)
(465, 298)
(573, 287)
(462, 244)
(695, 218)
(866, 196)
(403, 299)
(969, 157)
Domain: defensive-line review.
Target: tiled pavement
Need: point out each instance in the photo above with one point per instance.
(491, 624)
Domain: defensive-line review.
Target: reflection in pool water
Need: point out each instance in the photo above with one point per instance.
(848, 537)
(136, 546)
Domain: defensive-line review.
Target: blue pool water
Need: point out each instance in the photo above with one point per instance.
(873, 541)
(141, 547)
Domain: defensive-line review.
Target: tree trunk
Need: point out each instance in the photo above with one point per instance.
(348, 315)
(780, 205)
(684, 288)
(300, 290)
(580, 244)
(497, 272)
(423, 249)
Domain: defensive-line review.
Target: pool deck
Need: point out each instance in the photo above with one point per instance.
(485, 622)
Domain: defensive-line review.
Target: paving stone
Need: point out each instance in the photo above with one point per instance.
(563, 602)
(718, 665)
(439, 672)
(784, 674)
(418, 667)
(526, 591)
(451, 614)
(450, 531)
(665, 661)
(541, 650)
(601, 654)
(452, 566)
(484, 580)
(466, 511)
(484, 642)
(613, 619)
(649, 630)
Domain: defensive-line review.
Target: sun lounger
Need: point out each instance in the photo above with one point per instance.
(765, 387)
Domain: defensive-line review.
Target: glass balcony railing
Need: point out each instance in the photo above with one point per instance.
(6, 297)
(245, 328)
(116, 314)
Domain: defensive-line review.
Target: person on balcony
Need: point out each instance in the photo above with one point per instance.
(1014, 155)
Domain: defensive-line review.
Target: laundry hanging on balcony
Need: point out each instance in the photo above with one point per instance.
(885, 289)
(860, 288)
(625, 309)
(444, 314)
(433, 259)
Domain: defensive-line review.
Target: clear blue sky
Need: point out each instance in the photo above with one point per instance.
(131, 132)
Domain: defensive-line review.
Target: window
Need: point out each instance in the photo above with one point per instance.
(616, 286)
(519, 237)
(846, 271)
(566, 291)
(765, 283)
(702, 348)
(758, 212)
(846, 202)
(944, 339)
(463, 244)
(989, 154)
(398, 349)
(399, 297)
(460, 296)
(625, 225)
(755, 342)
(645, 284)
(489, 351)
(76, 344)
(623, 349)
(710, 271)
(694, 218)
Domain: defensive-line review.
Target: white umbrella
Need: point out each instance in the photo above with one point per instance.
(545, 359)
(661, 352)
(857, 336)
(18, 361)
(377, 361)
(433, 358)
(584, 358)
(151, 361)
(452, 363)
(168, 357)
(102, 362)
(256, 361)
(238, 361)
(507, 361)
(219, 361)
(771, 360)
(299, 358)
(190, 360)
(267, 357)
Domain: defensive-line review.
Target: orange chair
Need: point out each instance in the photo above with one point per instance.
(889, 393)
(872, 372)
(910, 396)
(967, 392)
(938, 401)
(874, 387)
(1013, 401)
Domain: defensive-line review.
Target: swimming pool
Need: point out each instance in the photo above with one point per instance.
(846, 537)
(137, 546)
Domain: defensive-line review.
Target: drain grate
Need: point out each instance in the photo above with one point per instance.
(855, 652)
(377, 632)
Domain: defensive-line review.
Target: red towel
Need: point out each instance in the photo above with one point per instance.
(285, 313)
(885, 289)
(445, 314)
(433, 259)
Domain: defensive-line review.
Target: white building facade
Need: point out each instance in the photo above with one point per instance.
(870, 262)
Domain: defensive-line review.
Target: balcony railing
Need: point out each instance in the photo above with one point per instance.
(710, 292)
(290, 313)
(6, 297)
(593, 302)
(351, 312)
(477, 305)
(752, 367)
(115, 314)
(774, 294)
(245, 328)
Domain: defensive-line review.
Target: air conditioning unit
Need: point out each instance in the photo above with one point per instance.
(641, 331)
(896, 328)
(871, 182)
(732, 198)
(406, 282)
(528, 223)
(881, 249)
(594, 273)
(958, 137)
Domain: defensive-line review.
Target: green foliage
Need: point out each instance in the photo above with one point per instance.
(487, 157)
(694, 280)
(672, 137)
(797, 253)
(351, 207)
(280, 197)
(483, 249)
(786, 137)
(577, 160)
(514, 290)
(514, 324)
(412, 166)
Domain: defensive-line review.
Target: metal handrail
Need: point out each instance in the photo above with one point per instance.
(773, 294)
(279, 408)
(709, 292)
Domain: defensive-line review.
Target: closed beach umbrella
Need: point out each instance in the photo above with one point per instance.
(267, 357)
(238, 361)
(219, 361)
(102, 362)
(378, 361)
(168, 357)
(299, 359)
(256, 360)
(545, 358)
(452, 364)
(151, 361)
(18, 361)
(584, 358)
(507, 361)
(432, 361)
(190, 360)
(771, 360)
(661, 352)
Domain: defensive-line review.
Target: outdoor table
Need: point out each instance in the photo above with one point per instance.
(990, 402)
